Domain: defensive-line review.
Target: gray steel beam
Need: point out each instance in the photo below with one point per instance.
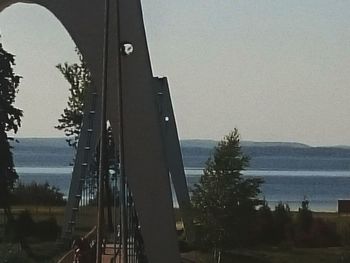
(173, 154)
(89, 136)
(144, 159)
(145, 164)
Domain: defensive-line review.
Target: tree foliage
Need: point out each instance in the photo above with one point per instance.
(71, 120)
(224, 200)
(79, 79)
(38, 194)
(10, 121)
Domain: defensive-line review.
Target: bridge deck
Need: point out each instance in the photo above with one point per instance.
(109, 255)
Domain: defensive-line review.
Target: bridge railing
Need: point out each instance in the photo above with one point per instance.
(69, 256)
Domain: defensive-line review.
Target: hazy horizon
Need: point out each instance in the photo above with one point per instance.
(196, 139)
(278, 71)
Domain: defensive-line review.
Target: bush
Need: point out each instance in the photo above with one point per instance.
(276, 227)
(344, 232)
(12, 255)
(265, 225)
(24, 226)
(47, 230)
(185, 245)
(37, 194)
(304, 218)
(282, 223)
(311, 232)
(20, 228)
(320, 234)
(324, 233)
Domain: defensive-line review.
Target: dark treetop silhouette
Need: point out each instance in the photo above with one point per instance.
(10, 120)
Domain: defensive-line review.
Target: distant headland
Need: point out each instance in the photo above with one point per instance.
(54, 152)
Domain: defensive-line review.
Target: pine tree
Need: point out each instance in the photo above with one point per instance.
(10, 121)
(223, 199)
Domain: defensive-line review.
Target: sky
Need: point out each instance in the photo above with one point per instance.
(276, 70)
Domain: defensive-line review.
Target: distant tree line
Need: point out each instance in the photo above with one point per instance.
(277, 227)
(38, 195)
(300, 229)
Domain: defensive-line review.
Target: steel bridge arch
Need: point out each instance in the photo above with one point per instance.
(145, 164)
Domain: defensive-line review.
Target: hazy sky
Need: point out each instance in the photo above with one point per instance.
(276, 70)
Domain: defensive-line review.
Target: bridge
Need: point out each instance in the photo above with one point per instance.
(128, 152)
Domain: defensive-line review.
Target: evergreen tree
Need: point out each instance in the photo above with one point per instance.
(10, 121)
(225, 202)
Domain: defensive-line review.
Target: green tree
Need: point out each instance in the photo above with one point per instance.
(305, 218)
(37, 194)
(79, 79)
(10, 121)
(225, 201)
(282, 221)
(265, 224)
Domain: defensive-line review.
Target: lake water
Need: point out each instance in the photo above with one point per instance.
(322, 188)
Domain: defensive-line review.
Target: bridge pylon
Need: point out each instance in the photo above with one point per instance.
(140, 115)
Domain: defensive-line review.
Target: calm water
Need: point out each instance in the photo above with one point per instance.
(322, 188)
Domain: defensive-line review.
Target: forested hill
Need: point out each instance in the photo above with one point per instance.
(54, 152)
(274, 155)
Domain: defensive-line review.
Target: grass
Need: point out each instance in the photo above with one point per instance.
(43, 252)
(288, 254)
(50, 251)
(276, 255)
(87, 215)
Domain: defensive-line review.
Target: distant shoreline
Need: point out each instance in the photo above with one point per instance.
(54, 152)
(323, 189)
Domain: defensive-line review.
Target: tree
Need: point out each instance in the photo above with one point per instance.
(79, 79)
(265, 224)
(38, 195)
(282, 220)
(10, 121)
(224, 200)
(305, 218)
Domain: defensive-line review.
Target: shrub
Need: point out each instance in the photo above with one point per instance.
(47, 230)
(320, 234)
(20, 228)
(265, 225)
(311, 232)
(282, 223)
(304, 218)
(344, 232)
(13, 256)
(324, 233)
(24, 226)
(37, 194)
